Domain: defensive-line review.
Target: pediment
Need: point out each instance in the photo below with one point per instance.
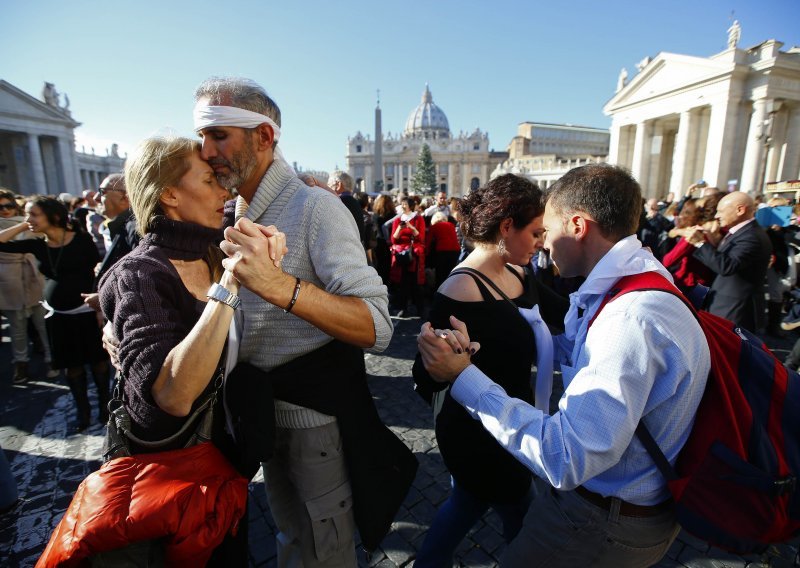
(18, 104)
(666, 74)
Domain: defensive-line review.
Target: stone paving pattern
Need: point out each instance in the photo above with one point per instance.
(48, 464)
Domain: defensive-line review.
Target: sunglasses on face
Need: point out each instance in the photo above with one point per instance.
(8, 206)
(104, 190)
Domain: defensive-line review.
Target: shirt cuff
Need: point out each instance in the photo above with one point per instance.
(469, 386)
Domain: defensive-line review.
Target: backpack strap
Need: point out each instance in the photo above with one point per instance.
(647, 281)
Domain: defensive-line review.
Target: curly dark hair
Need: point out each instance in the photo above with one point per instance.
(708, 206)
(608, 193)
(55, 212)
(507, 196)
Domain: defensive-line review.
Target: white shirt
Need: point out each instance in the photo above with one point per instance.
(645, 355)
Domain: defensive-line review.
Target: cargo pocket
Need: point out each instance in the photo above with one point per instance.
(332, 521)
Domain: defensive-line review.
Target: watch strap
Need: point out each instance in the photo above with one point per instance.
(219, 293)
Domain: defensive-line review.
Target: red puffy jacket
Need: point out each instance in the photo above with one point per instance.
(191, 497)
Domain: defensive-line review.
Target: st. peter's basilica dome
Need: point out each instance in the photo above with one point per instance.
(427, 120)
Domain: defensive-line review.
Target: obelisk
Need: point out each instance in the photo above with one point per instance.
(377, 170)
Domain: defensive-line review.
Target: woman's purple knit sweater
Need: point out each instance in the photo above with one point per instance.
(151, 312)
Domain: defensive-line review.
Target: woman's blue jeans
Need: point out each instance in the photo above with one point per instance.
(456, 517)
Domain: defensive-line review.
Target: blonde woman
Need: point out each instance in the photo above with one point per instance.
(67, 258)
(170, 301)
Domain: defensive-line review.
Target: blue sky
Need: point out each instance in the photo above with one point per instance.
(130, 68)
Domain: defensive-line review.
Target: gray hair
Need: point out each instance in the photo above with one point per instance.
(345, 178)
(238, 92)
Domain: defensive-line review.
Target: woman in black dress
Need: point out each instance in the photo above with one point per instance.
(504, 221)
(67, 259)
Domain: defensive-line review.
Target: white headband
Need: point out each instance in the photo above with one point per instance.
(208, 116)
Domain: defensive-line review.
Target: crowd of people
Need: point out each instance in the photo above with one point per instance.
(213, 258)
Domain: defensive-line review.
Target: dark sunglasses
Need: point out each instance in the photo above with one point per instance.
(7, 206)
(101, 191)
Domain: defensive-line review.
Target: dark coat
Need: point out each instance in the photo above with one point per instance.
(124, 239)
(354, 207)
(331, 380)
(741, 267)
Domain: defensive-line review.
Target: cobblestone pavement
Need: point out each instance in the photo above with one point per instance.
(48, 464)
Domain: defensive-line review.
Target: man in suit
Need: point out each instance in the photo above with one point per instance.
(739, 251)
(121, 226)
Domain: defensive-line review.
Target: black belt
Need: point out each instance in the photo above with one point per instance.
(625, 509)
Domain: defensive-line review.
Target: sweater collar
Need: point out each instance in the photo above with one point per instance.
(273, 182)
(181, 241)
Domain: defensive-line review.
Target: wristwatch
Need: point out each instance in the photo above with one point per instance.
(222, 294)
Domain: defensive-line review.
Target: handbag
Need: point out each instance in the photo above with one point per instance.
(119, 435)
(167, 508)
(405, 257)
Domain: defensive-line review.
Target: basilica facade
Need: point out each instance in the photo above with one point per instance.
(463, 162)
(731, 120)
(37, 146)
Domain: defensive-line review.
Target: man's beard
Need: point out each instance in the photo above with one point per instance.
(241, 166)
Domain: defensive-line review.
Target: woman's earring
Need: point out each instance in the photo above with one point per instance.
(501, 247)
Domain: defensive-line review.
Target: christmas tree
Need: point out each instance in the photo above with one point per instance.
(424, 180)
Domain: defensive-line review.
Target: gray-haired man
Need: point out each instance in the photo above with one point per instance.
(322, 291)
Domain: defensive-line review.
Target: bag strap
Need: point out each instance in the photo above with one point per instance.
(644, 282)
(205, 406)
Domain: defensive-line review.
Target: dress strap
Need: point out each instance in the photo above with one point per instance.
(515, 273)
(485, 293)
(475, 273)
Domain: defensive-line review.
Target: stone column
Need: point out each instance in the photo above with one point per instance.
(37, 165)
(69, 165)
(791, 163)
(641, 152)
(721, 144)
(678, 183)
(754, 150)
(613, 143)
(466, 176)
(776, 154)
(368, 185)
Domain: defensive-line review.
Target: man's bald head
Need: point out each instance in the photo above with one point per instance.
(113, 197)
(735, 208)
(113, 182)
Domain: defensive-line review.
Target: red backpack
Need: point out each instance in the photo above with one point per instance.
(734, 482)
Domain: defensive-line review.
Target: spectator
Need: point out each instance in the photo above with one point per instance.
(370, 231)
(442, 247)
(120, 226)
(738, 251)
(687, 270)
(383, 213)
(407, 272)
(21, 293)
(440, 206)
(342, 184)
(67, 258)
(654, 228)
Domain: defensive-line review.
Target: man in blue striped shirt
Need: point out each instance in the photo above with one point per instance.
(601, 501)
